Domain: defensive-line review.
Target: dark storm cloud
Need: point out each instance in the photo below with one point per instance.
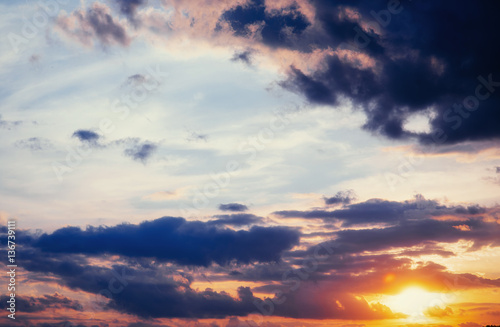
(174, 240)
(351, 274)
(86, 135)
(345, 265)
(315, 303)
(150, 293)
(157, 290)
(240, 219)
(340, 198)
(413, 230)
(342, 265)
(408, 233)
(375, 211)
(144, 292)
(279, 29)
(338, 266)
(404, 58)
(63, 265)
(371, 211)
(439, 55)
(333, 297)
(167, 301)
(235, 207)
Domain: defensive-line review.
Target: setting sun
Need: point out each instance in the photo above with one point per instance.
(413, 301)
(250, 163)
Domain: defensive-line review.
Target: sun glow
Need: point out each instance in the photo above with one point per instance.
(413, 301)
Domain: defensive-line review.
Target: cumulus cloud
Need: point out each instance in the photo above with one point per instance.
(392, 68)
(345, 197)
(243, 56)
(86, 135)
(151, 293)
(366, 60)
(236, 207)
(143, 292)
(275, 29)
(147, 292)
(169, 302)
(431, 70)
(408, 233)
(315, 303)
(141, 152)
(439, 312)
(380, 211)
(94, 23)
(171, 239)
(364, 53)
(129, 8)
(137, 149)
(354, 261)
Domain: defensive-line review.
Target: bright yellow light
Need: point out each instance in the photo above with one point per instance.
(413, 301)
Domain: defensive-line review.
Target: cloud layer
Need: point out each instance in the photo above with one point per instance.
(391, 60)
(175, 240)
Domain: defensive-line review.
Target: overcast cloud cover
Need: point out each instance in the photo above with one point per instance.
(251, 162)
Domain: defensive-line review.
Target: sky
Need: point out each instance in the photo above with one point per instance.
(242, 163)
